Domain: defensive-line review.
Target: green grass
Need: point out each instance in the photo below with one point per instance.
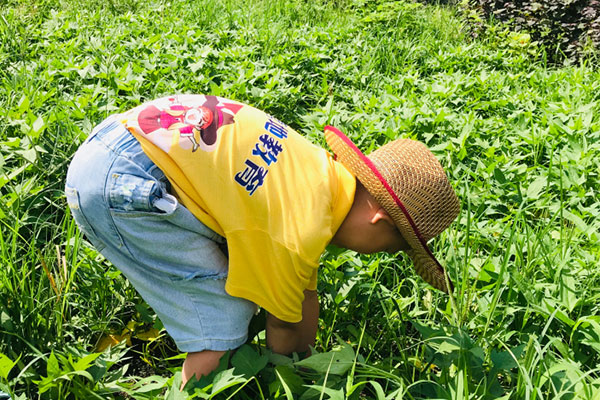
(520, 142)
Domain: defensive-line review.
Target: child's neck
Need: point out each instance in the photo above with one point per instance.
(362, 208)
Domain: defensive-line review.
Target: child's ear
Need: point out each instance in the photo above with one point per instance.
(382, 215)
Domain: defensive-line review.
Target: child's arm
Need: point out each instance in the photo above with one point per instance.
(286, 337)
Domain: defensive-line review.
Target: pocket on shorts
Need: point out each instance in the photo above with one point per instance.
(75, 206)
(161, 234)
(134, 196)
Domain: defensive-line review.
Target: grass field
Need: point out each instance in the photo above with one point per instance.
(520, 141)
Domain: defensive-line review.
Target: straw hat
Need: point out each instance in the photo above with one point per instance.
(409, 183)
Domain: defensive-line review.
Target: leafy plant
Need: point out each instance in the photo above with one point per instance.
(518, 138)
(566, 28)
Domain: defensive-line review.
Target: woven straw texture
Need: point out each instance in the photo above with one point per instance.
(422, 202)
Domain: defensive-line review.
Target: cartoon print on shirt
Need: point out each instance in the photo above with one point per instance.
(197, 125)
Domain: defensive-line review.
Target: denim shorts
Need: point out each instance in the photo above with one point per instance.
(120, 201)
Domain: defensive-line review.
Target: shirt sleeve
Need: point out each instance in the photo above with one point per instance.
(268, 273)
(312, 284)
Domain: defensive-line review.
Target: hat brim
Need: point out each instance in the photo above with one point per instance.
(426, 265)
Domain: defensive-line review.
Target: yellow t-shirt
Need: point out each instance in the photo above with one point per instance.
(276, 198)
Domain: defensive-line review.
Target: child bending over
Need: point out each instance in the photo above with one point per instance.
(212, 208)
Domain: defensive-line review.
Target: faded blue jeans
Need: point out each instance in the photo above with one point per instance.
(120, 200)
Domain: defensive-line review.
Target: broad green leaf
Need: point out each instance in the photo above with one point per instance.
(196, 66)
(279, 359)
(564, 374)
(23, 104)
(226, 379)
(447, 347)
(535, 187)
(30, 155)
(568, 292)
(499, 175)
(6, 364)
(334, 394)
(52, 367)
(426, 331)
(4, 178)
(149, 384)
(38, 127)
(503, 360)
(248, 362)
(45, 384)
(85, 374)
(335, 362)
(174, 392)
(86, 361)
